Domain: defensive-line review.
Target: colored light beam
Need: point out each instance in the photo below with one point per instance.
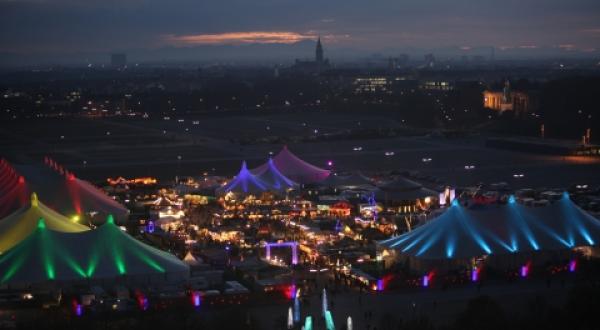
(308, 323)
(329, 321)
(469, 227)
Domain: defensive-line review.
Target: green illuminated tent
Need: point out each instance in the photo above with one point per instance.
(104, 253)
(20, 224)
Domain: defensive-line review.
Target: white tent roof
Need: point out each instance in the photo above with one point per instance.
(191, 260)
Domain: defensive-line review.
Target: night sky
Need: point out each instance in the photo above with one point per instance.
(54, 27)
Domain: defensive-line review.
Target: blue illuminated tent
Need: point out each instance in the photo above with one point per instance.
(244, 183)
(466, 232)
(274, 180)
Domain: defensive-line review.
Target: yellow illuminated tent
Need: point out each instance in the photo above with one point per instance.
(20, 224)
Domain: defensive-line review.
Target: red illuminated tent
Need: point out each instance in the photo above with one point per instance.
(59, 189)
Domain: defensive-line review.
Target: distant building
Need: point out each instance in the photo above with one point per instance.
(395, 63)
(372, 85)
(506, 100)
(319, 64)
(429, 60)
(436, 85)
(118, 60)
(319, 52)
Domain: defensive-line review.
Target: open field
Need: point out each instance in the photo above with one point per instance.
(98, 148)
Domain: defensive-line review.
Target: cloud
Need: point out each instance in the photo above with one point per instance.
(237, 38)
(594, 31)
(528, 46)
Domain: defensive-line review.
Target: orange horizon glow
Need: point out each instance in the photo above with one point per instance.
(251, 37)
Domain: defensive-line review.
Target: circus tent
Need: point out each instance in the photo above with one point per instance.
(104, 253)
(17, 226)
(466, 232)
(274, 179)
(294, 168)
(13, 193)
(402, 189)
(62, 191)
(353, 180)
(191, 260)
(244, 183)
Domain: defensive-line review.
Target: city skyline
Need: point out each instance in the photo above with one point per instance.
(185, 30)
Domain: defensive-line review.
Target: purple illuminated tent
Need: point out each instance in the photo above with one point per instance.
(244, 183)
(294, 168)
(274, 179)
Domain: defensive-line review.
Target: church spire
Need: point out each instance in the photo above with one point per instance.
(319, 51)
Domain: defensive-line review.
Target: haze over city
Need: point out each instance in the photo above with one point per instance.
(73, 32)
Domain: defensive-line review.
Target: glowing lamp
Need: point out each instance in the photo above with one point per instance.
(142, 301)
(290, 292)
(525, 270)
(572, 266)
(196, 299)
(77, 309)
(380, 285)
(329, 163)
(425, 281)
(21, 180)
(150, 227)
(475, 274)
